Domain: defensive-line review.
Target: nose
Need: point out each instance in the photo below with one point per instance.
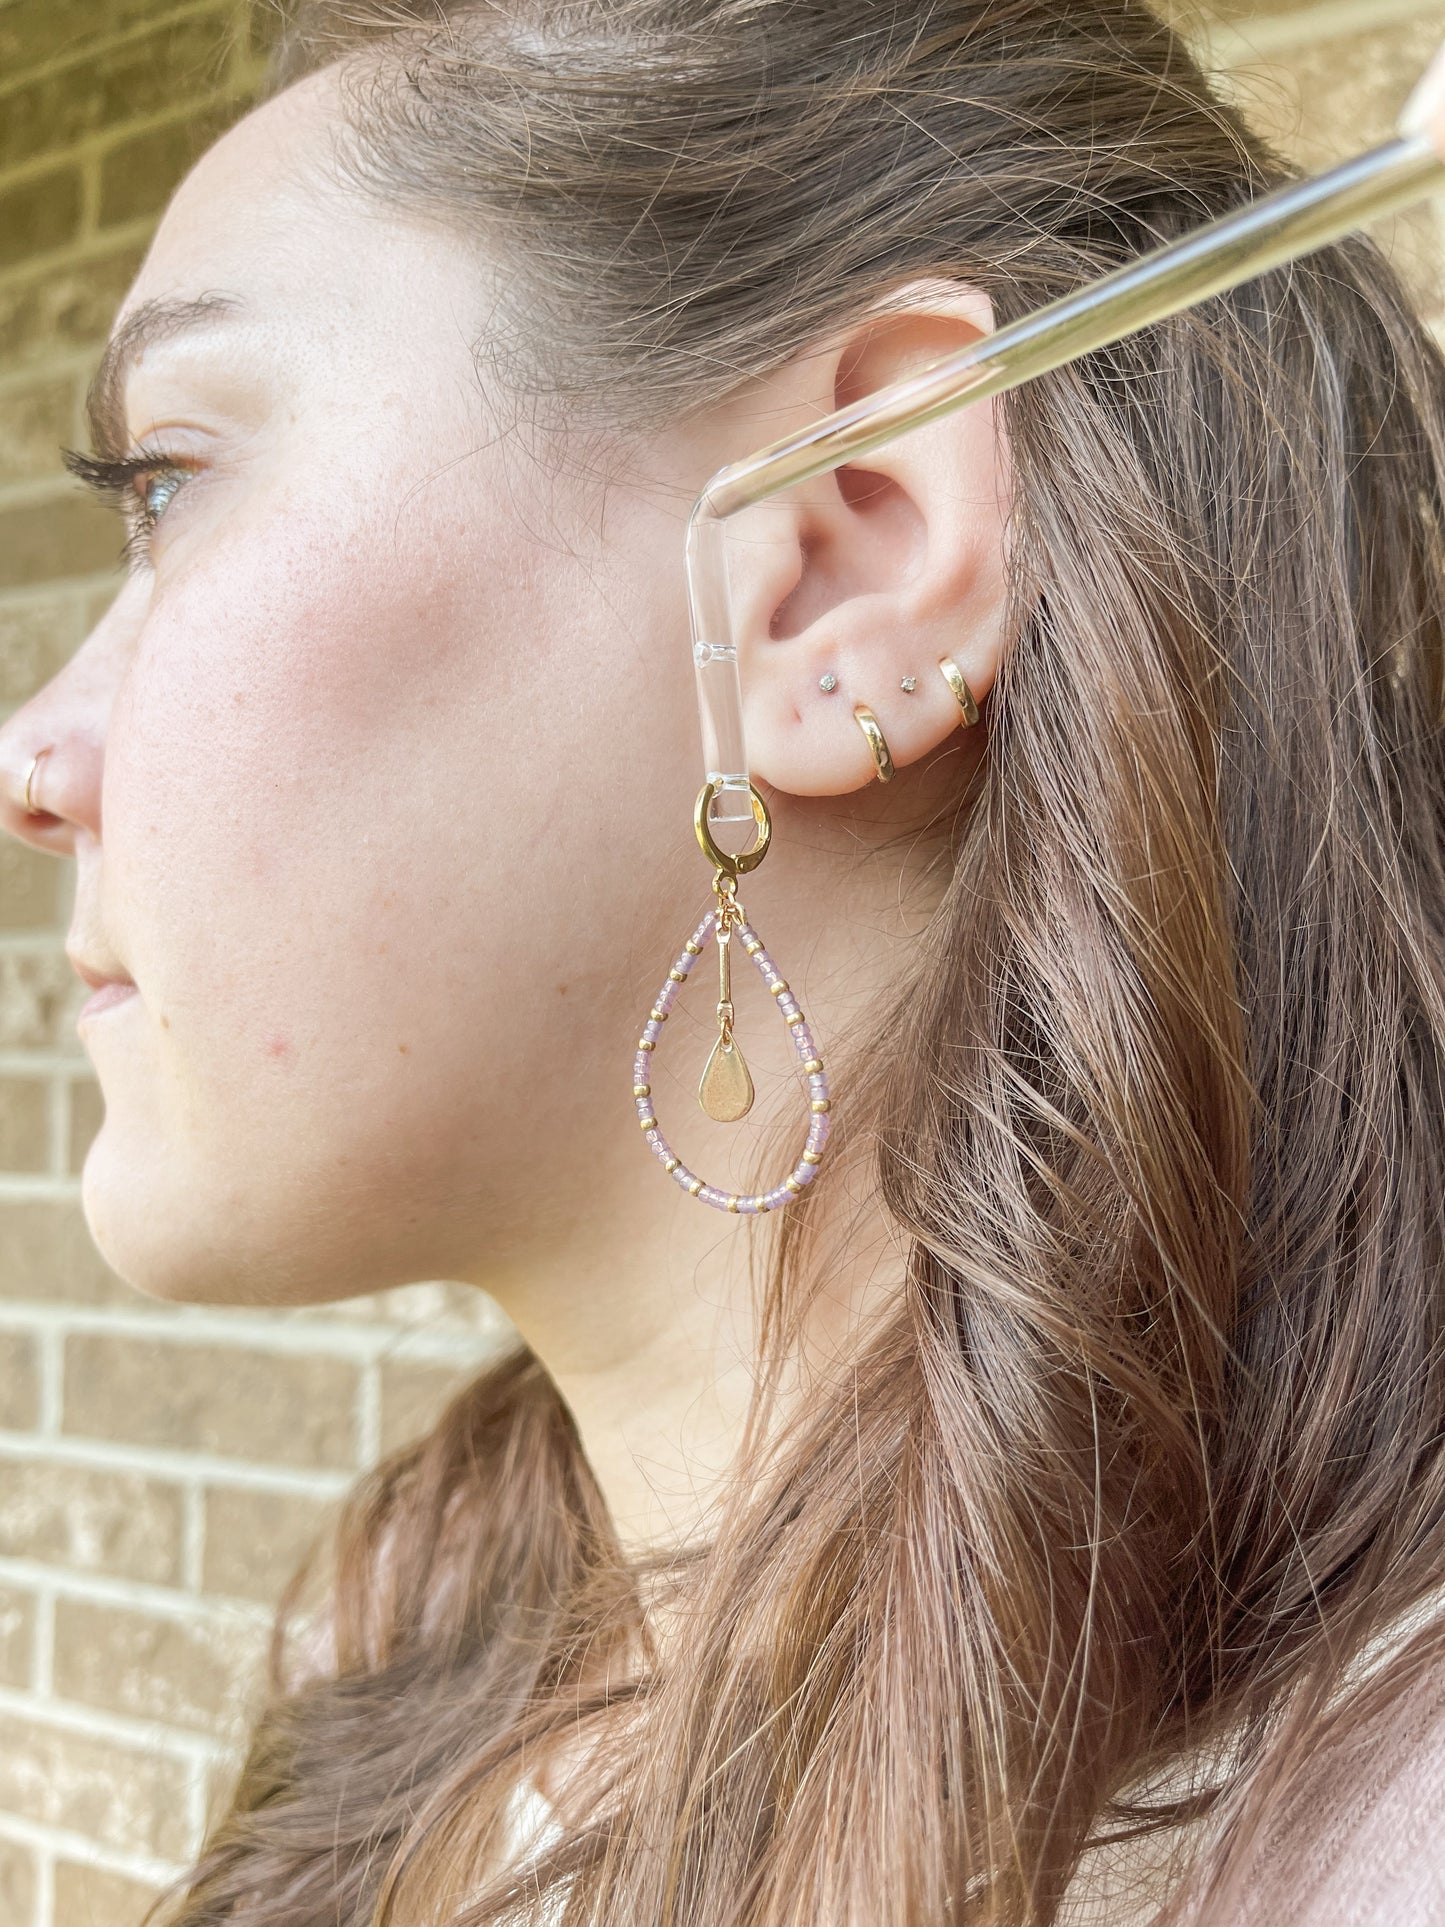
(52, 752)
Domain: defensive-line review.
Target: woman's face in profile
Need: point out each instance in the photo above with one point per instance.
(380, 706)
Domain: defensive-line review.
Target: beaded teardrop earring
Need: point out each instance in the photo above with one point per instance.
(725, 1090)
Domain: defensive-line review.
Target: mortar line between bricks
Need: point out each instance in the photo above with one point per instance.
(35, 1188)
(58, 1116)
(87, 219)
(61, 1842)
(45, 1887)
(50, 1339)
(31, 943)
(193, 1535)
(92, 1722)
(87, 149)
(125, 237)
(77, 362)
(392, 1342)
(197, 1790)
(43, 1669)
(43, 491)
(87, 51)
(131, 1595)
(108, 1455)
(368, 1413)
(75, 589)
(45, 1063)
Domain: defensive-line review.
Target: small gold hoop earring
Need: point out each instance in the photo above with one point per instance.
(877, 743)
(953, 676)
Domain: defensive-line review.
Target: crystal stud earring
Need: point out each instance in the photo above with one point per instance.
(828, 683)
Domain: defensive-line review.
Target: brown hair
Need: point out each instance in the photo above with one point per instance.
(1150, 1447)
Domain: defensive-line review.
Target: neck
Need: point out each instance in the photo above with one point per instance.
(644, 1306)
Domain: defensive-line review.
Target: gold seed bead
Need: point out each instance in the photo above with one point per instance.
(734, 1202)
(678, 976)
(753, 947)
(821, 1104)
(792, 1184)
(647, 1043)
(796, 1017)
(670, 1165)
(813, 1066)
(694, 1185)
(812, 1157)
(692, 949)
(779, 987)
(642, 1090)
(760, 1204)
(648, 1123)
(658, 1016)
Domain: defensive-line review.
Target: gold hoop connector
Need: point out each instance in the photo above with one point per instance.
(734, 866)
(877, 742)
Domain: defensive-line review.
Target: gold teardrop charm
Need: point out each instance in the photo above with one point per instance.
(725, 1089)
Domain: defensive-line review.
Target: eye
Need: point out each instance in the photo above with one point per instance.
(140, 486)
(156, 490)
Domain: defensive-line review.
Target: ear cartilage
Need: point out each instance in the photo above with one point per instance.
(730, 811)
(1209, 261)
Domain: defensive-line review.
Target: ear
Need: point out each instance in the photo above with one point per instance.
(874, 572)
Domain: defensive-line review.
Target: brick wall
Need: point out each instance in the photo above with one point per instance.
(162, 1468)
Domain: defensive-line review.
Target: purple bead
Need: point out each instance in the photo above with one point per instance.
(749, 1204)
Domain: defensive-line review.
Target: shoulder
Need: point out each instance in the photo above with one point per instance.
(1360, 1842)
(1366, 1845)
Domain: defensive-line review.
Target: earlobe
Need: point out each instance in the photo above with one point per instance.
(856, 588)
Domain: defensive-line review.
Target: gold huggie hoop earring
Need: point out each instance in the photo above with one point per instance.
(953, 676)
(877, 742)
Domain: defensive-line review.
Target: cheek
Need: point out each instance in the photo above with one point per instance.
(323, 801)
(397, 830)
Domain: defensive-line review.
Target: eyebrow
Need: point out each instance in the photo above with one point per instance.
(151, 322)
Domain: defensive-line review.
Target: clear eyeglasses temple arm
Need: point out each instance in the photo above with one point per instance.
(1266, 234)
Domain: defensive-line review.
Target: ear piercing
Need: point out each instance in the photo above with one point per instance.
(868, 722)
(877, 742)
(953, 676)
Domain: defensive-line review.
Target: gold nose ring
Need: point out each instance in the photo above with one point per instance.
(953, 676)
(30, 809)
(877, 742)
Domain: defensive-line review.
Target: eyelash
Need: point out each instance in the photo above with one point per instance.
(113, 482)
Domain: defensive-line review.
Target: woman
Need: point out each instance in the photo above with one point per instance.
(1030, 1522)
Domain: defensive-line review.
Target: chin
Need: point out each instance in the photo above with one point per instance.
(173, 1240)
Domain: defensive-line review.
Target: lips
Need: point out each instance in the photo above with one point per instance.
(98, 976)
(102, 999)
